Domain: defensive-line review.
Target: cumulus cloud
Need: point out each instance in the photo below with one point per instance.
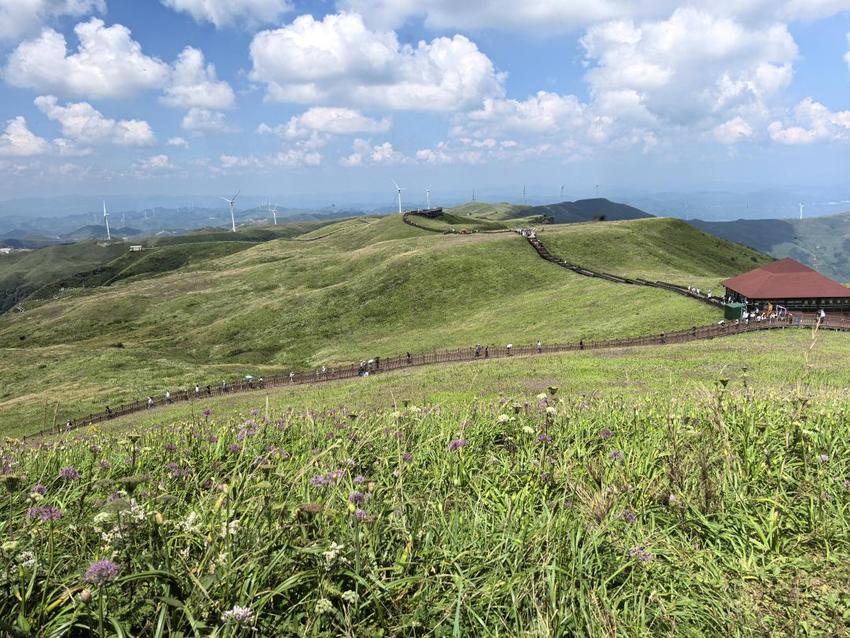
(812, 122)
(194, 84)
(289, 158)
(338, 59)
(18, 141)
(23, 17)
(154, 164)
(364, 153)
(178, 142)
(203, 121)
(732, 131)
(327, 120)
(83, 124)
(108, 63)
(223, 13)
(548, 16)
(689, 69)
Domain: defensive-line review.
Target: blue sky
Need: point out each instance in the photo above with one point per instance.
(342, 96)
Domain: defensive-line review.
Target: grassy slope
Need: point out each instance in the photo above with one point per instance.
(22, 274)
(777, 363)
(656, 249)
(495, 212)
(371, 287)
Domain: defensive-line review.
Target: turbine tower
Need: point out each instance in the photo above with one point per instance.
(230, 203)
(106, 221)
(398, 190)
(562, 191)
(473, 194)
(274, 212)
(802, 206)
(428, 198)
(523, 194)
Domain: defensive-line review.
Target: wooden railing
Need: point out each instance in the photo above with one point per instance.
(380, 365)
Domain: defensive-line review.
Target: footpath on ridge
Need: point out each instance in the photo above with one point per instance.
(544, 253)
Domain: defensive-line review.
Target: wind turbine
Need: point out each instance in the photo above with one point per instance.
(562, 191)
(473, 194)
(274, 212)
(106, 221)
(398, 190)
(428, 198)
(802, 206)
(523, 194)
(230, 203)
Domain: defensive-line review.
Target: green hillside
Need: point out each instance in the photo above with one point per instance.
(483, 210)
(659, 248)
(21, 274)
(820, 242)
(364, 287)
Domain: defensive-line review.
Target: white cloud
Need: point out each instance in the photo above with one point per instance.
(194, 84)
(83, 124)
(18, 141)
(289, 158)
(327, 120)
(23, 17)
(813, 122)
(108, 63)
(338, 59)
(224, 13)
(693, 68)
(178, 142)
(732, 131)
(365, 153)
(155, 163)
(553, 16)
(204, 121)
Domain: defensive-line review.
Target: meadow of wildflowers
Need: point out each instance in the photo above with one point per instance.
(532, 516)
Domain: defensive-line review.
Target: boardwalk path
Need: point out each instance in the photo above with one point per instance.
(469, 354)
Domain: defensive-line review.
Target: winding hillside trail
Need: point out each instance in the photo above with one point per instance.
(544, 253)
(442, 357)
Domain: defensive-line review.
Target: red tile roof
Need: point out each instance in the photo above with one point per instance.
(786, 279)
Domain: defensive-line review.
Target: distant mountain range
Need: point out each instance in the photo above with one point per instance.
(585, 210)
(821, 242)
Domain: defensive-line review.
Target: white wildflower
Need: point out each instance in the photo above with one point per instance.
(324, 606)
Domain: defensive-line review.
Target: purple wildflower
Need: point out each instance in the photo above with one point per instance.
(629, 516)
(170, 447)
(234, 448)
(212, 438)
(254, 411)
(241, 616)
(605, 434)
(45, 513)
(207, 412)
(101, 572)
(544, 439)
(358, 498)
(69, 474)
(616, 455)
(639, 552)
(407, 457)
(456, 444)
(244, 433)
(362, 516)
(39, 489)
(319, 480)
(359, 479)
(104, 464)
(846, 484)
(95, 449)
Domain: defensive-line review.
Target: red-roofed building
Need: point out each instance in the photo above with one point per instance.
(790, 284)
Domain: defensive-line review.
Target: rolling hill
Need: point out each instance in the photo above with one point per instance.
(585, 210)
(355, 289)
(820, 242)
